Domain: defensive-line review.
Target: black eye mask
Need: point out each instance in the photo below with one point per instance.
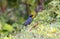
(31, 16)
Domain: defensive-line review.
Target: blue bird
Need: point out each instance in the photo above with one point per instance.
(28, 21)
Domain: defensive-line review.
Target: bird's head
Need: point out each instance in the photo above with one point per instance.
(31, 16)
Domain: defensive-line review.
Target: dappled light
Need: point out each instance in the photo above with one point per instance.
(29, 19)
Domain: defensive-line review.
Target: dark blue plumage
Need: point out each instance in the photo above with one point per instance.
(28, 21)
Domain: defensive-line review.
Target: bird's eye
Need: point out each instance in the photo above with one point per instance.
(31, 15)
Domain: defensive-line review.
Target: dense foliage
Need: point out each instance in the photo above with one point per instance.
(46, 24)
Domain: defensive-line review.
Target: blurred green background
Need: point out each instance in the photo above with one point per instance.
(45, 25)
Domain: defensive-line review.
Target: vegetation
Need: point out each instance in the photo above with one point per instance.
(45, 24)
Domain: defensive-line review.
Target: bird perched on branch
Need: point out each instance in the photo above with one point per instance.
(28, 21)
(30, 18)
